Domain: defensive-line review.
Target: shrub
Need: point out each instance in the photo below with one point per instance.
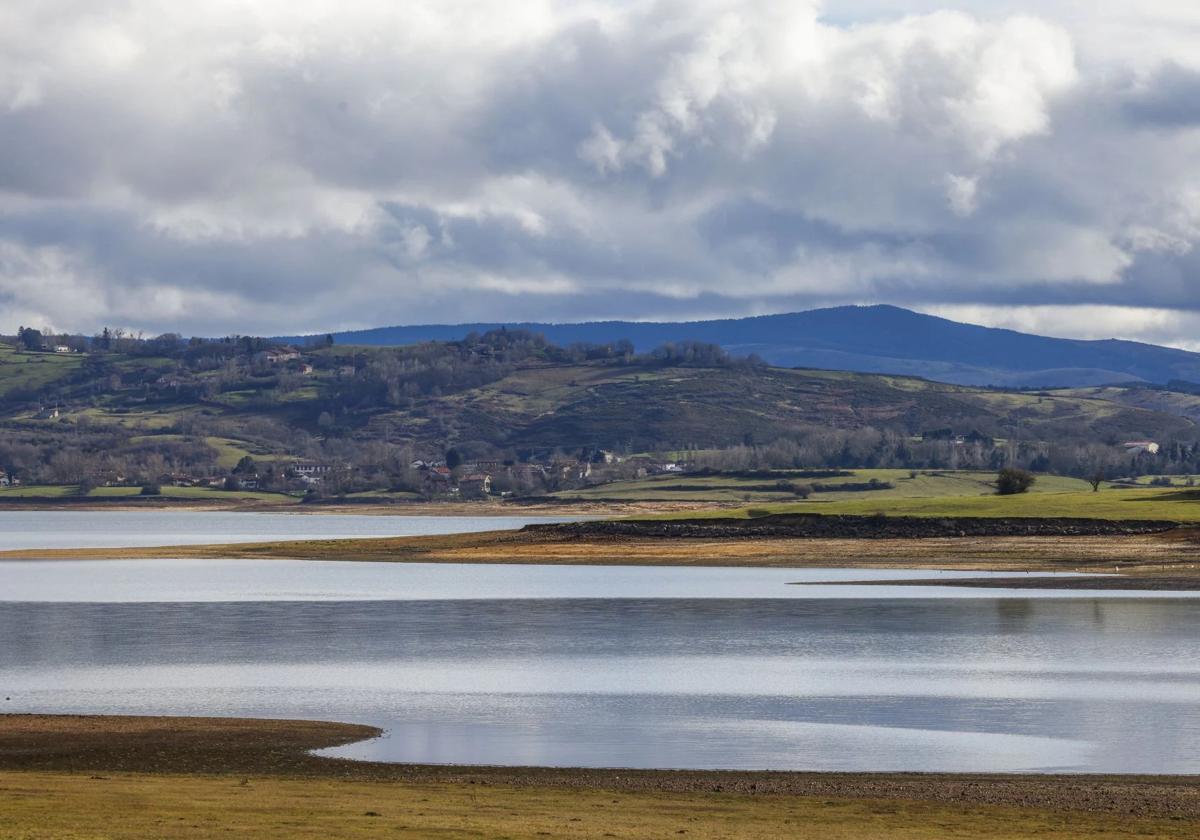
(1011, 481)
(151, 490)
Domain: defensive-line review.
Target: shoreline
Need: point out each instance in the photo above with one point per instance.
(449, 508)
(172, 746)
(1120, 583)
(1171, 555)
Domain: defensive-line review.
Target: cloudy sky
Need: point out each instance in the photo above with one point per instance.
(279, 166)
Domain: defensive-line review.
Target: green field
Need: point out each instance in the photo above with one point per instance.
(229, 451)
(148, 420)
(37, 491)
(928, 493)
(383, 496)
(20, 370)
(1109, 503)
(725, 489)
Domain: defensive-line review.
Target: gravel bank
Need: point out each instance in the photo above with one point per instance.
(226, 746)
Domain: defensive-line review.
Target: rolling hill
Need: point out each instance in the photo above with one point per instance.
(646, 408)
(208, 406)
(869, 339)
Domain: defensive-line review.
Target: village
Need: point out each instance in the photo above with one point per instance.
(447, 478)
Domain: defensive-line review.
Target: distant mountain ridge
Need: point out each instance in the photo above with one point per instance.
(868, 339)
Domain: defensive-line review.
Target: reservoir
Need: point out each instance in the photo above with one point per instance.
(34, 529)
(620, 666)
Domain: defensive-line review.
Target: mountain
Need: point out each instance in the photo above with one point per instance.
(868, 339)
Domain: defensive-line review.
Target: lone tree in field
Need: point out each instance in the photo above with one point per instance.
(1012, 481)
(1095, 479)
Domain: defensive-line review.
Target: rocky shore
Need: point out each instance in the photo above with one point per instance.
(838, 526)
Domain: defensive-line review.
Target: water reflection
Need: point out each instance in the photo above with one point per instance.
(35, 529)
(935, 682)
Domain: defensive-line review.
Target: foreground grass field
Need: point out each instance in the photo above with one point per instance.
(118, 778)
(128, 806)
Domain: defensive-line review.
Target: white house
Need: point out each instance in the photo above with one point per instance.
(1137, 447)
(282, 354)
(312, 470)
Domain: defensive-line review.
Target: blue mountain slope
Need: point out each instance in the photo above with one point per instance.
(874, 339)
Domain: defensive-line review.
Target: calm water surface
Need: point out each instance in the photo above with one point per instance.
(612, 666)
(20, 529)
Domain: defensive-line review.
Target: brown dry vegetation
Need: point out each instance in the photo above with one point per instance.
(112, 777)
(1173, 554)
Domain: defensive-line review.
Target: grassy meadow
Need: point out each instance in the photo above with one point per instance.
(722, 488)
(1112, 503)
(25, 371)
(925, 493)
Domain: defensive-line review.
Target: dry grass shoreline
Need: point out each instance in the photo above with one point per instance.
(1174, 555)
(168, 777)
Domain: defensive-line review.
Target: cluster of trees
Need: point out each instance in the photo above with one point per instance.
(92, 454)
(697, 354)
(880, 448)
(108, 340)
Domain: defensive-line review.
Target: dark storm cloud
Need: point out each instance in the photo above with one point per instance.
(1170, 98)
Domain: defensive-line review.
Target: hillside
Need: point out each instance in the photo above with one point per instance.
(145, 410)
(872, 339)
(1153, 399)
(639, 408)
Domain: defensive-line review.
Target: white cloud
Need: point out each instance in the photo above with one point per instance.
(219, 168)
(1159, 326)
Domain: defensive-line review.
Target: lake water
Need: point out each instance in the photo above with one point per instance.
(621, 666)
(32, 529)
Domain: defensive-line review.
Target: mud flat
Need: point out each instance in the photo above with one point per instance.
(175, 777)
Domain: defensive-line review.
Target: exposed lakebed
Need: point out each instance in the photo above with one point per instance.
(621, 666)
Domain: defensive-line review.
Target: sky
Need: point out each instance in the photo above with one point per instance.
(292, 166)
